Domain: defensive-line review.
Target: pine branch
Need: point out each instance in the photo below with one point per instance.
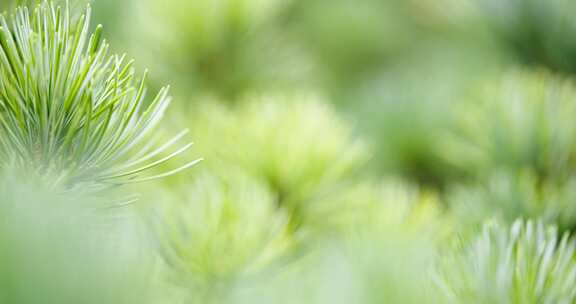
(70, 108)
(526, 263)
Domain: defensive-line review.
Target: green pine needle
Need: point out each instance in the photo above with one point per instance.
(67, 106)
(526, 263)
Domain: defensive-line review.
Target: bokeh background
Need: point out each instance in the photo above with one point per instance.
(348, 144)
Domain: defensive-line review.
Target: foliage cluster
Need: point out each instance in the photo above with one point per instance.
(381, 151)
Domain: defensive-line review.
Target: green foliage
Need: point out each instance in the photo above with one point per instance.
(351, 43)
(387, 256)
(521, 121)
(377, 270)
(296, 203)
(535, 32)
(216, 231)
(224, 240)
(65, 249)
(296, 144)
(221, 48)
(374, 32)
(12, 4)
(69, 108)
(507, 196)
(5, 4)
(403, 127)
(514, 141)
(526, 263)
